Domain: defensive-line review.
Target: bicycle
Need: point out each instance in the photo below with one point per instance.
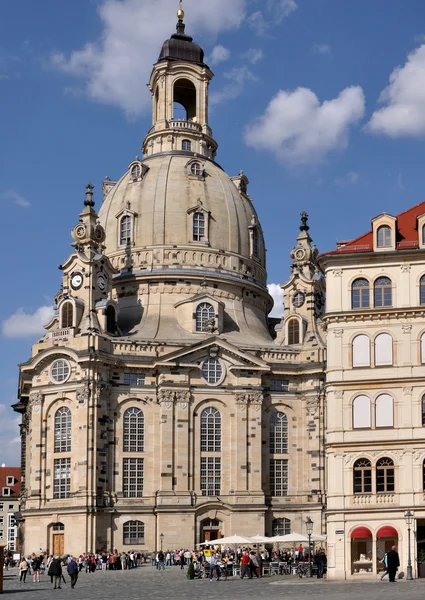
(303, 570)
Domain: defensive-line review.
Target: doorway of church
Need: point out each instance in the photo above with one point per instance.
(420, 547)
(58, 544)
(210, 530)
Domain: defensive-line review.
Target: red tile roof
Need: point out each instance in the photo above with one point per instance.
(406, 235)
(14, 472)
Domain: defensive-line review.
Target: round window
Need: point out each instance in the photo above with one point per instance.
(298, 299)
(60, 371)
(212, 370)
(136, 171)
(196, 169)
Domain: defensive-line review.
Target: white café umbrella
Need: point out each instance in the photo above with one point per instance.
(289, 537)
(318, 538)
(260, 539)
(233, 540)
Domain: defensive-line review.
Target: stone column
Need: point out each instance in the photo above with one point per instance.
(254, 442)
(34, 482)
(166, 435)
(239, 479)
(183, 444)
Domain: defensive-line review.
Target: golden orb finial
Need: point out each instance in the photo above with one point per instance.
(180, 12)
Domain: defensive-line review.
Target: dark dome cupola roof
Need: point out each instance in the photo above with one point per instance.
(181, 46)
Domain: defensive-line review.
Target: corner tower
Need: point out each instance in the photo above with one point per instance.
(179, 85)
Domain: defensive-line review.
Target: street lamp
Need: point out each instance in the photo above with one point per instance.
(309, 529)
(161, 537)
(408, 516)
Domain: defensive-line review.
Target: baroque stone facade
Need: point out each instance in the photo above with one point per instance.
(161, 399)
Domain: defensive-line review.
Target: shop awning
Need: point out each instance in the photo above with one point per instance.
(361, 532)
(387, 531)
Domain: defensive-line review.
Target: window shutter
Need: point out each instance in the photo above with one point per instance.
(361, 412)
(361, 351)
(384, 411)
(383, 349)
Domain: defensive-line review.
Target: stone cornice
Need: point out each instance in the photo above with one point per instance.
(374, 314)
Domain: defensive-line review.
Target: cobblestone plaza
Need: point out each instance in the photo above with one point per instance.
(147, 582)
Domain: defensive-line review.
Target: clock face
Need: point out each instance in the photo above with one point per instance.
(80, 231)
(101, 283)
(76, 281)
(300, 254)
(298, 299)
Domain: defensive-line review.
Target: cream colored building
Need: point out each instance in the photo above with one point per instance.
(160, 400)
(375, 390)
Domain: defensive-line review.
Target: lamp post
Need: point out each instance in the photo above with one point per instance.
(408, 516)
(161, 537)
(309, 529)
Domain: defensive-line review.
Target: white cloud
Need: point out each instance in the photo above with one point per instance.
(116, 67)
(219, 54)
(322, 49)
(276, 293)
(253, 55)
(300, 130)
(22, 324)
(275, 11)
(15, 198)
(348, 179)
(404, 113)
(237, 77)
(10, 453)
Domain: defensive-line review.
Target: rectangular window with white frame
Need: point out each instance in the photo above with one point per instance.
(62, 478)
(133, 477)
(278, 476)
(210, 475)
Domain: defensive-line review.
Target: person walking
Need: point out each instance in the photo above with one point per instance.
(55, 572)
(320, 560)
(254, 567)
(385, 561)
(245, 562)
(36, 566)
(23, 569)
(72, 569)
(393, 563)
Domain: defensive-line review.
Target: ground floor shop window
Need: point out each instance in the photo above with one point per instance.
(361, 550)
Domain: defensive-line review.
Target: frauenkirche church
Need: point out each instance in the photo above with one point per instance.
(163, 400)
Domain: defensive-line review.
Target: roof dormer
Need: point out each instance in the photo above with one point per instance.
(421, 231)
(384, 228)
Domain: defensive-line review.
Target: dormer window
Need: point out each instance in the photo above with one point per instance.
(255, 247)
(384, 237)
(136, 171)
(205, 317)
(195, 169)
(10, 480)
(111, 320)
(198, 227)
(293, 332)
(187, 145)
(67, 315)
(125, 230)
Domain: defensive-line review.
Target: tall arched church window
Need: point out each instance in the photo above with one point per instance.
(384, 411)
(199, 227)
(125, 230)
(384, 236)
(133, 533)
(423, 476)
(382, 292)
(278, 433)
(187, 145)
(360, 295)
(362, 476)
(184, 100)
(293, 331)
(385, 481)
(210, 430)
(383, 349)
(63, 430)
(361, 412)
(133, 430)
(205, 315)
(281, 526)
(67, 315)
(423, 348)
(111, 322)
(422, 290)
(210, 482)
(361, 351)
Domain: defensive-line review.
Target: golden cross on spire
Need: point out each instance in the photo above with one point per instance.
(180, 12)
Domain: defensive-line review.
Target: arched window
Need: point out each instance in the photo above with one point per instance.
(199, 227)
(133, 533)
(184, 100)
(384, 411)
(63, 426)
(210, 430)
(361, 412)
(293, 331)
(211, 370)
(423, 410)
(384, 236)
(111, 324)
(58, 527)
(278, 433)
(423, 348)
(67, 315)
(133, 430)
(423, 234)
(281, 526)
(422, 290)
(384, 475)
(362, 475)
(205, 316)
(361, 351)
(360, 297)
(382, 292)
(125, 230)
(383, 349)
(187, 145)
(423, 476)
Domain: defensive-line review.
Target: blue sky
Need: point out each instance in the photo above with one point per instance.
(320, 102)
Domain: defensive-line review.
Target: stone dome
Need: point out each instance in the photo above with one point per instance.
(161, 203)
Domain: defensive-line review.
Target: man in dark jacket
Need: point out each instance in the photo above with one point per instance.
(55, 572)
(73, 571)
(393, 562)
(320, 560)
